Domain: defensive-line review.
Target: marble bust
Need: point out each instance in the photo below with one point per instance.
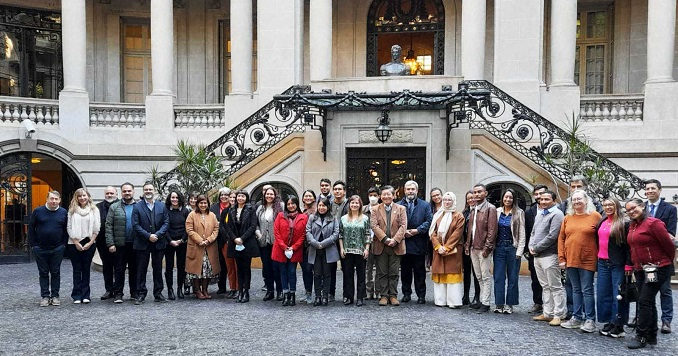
(395, 67)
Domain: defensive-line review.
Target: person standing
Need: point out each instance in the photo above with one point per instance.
(544, 248)
(242, 243)
(47, 235)
(354, 247)
(83, 228)
(150, 222)
(322, 233)
(659, 209)
(530, 215)
(266, 213)
(202, 251)
(177, 246)
(469, 273)
(508, 253)
(325, 189)
(110, 197)
(226, 266)
(120, 241)
(446, 268)
(436, 202)
(373, 196)
(414, 261)
(389, 222)
(308, 199)
(577, 252)
(652, 253)
(290, 231)
(480, 243)
(338, 208)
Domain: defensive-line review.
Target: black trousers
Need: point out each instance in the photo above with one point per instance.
(106, 263)
(125, 258)
(413, 265)
(307, 271)
(333, 278)
(170, 252)
(155, 257)
(536, 286)
(647, 308)
(468, 274)
(244, 267)
(354, 264)
(269, 270)
(322, 274)
(224, 270)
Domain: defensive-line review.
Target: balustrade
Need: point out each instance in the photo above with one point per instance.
(611, 108)
(199, 117)
(14, 110)
(117, 115)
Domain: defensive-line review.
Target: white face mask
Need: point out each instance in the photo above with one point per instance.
(374, 200)
(289, 253)
(239, 247)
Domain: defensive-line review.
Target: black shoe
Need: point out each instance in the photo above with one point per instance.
(246, 296)
(475, 304)
(617, 332)
(348, 301)
(465, 301)
(317, 301)
(269, 296)
(359, 303)
(279, 297)
(187, 290)
(330, 298)
(666, 327)
(234, 294)
(180, 292)
(406, 298)
(139, 301)
(286, 300)
(421, 300)
(325, 300)
(241, 295)
(170, 294)
(637, 342)
(606, 329)
(107, 295)
(483, 309)
(221, 291)
(293, 299)
(160, 299)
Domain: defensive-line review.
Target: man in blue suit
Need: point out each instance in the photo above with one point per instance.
(150, 221)
(413, 263)
(658, 208)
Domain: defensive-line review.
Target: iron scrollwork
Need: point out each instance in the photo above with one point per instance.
(541, 141)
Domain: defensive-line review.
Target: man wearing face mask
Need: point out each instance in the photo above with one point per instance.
(414, 261)
(150, 220)
(110, 196)
(120, 241)
(373, 196)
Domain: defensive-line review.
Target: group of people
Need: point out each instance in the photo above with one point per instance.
(565, 244)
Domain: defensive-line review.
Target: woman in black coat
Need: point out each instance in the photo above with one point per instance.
(177, 233)
(242, 243)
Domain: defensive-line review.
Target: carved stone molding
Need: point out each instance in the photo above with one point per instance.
(398, 136)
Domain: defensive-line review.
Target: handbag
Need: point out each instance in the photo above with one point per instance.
(628, 291)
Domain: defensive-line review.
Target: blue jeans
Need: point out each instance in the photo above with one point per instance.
(610, 310)
(82, 264)
(666, 299)
(582, 293)
(506, 266)
(288, 276)
(49, 265)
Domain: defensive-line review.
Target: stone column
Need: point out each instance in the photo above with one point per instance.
(299, 42)
(241, 47)
(73, 98)
(74, 45)
(320, 23)
(661, 32)
(162, 46)
(563, 42)
(473, 13)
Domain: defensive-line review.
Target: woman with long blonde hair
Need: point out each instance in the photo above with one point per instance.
(83, 227)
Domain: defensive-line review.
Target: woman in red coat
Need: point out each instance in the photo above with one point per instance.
(289, 230)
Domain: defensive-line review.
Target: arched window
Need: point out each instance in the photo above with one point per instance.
(418, 26)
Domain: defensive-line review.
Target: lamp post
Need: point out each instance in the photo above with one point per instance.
(383, 131)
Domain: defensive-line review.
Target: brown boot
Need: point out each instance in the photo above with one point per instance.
(197, 290)
(205, 285)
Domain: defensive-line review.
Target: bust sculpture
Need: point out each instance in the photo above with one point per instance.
(395, 67)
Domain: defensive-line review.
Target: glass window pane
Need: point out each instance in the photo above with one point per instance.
(596, 23)
(595, 69)
(577, 64)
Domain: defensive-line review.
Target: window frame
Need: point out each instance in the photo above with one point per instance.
(584, 42)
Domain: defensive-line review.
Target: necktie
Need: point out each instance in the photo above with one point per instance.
(652, 210)
(475, 216)
(545, 212)
(410, 208)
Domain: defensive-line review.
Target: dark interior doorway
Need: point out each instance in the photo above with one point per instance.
(495, 191)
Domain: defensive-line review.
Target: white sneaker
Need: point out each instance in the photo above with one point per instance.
(55, 302)
(77, 301)
(44, 302)
(573, 323)
(508, 309)
(86, 301)
(589, 326)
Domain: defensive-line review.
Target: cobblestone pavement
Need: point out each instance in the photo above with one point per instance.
(222, 326)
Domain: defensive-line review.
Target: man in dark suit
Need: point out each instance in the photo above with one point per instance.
(658, 208)
(388, 221)
(413, 262)
(110, 196)
(150, 221)
(530, 215)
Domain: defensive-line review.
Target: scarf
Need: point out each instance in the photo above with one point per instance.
(75, 222)
(443, 218)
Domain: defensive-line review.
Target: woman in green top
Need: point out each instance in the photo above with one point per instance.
(354, 246)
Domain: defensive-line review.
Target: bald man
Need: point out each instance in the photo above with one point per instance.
(110, 197)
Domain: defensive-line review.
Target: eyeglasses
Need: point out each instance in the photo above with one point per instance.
(609, 205)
